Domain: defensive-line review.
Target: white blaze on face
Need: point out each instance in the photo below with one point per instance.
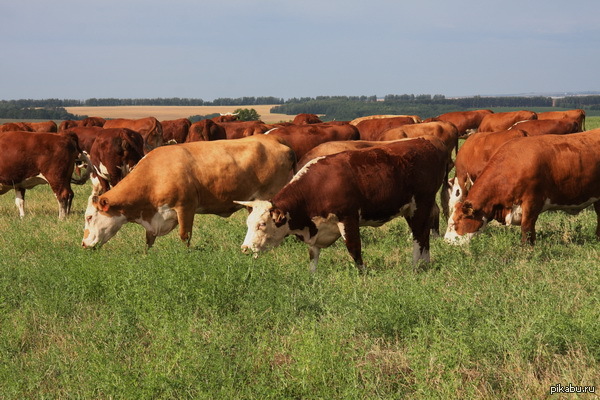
(456, 194)
(262, 233)
(99, 226)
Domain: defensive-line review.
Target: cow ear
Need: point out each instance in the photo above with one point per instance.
(248, 204)
(104, 204)
(278, 216)
(467, 209)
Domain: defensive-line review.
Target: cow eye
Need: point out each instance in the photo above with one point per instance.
(262, 225)
(88, 218)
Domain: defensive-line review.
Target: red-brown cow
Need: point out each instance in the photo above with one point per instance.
(303, 119)
(31, 158)
(15, 126)
(365, 187)
(528, 176)
(416, 119)
(535, 127)
(86, 122)
(175, 130)
(577, 115)
(113, 155)
(240, 129)
(371, 129)
(504, 120)
(86, 136)
(466, 122)
(303, 138)
(227, 117)
(205, 130)
(149, 127)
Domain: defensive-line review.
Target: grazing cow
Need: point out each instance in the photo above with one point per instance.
(536, 127)
(149, 127)
(577, 115)
(303, 119)
(528, 176)
(466, 122)
(175, 130)
(172, 183)
(303, 138)
(31, 158)
(240, 129)
(371, 129)
(366, 187)
(334, 147)
(86, 122)
(416, 119)
(205, 130)
(113, 155)
(86, 136)
(472, 158)
(504, 120)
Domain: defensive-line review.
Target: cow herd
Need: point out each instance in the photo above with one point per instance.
(316, 180)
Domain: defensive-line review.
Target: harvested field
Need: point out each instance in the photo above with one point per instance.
(173, 112)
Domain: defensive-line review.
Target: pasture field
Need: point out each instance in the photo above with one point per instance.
(174, 112)
(491, 320)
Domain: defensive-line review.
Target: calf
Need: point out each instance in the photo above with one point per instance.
(366, 187)
(172, 183)
(528, 176)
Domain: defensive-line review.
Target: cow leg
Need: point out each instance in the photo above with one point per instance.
(150, 238)
(597, 209)
(434, 220)
(64, 196)
(313, 253)
(20, 201)
(420, 224)
(531, 213)
(350, 231)
(186, 222)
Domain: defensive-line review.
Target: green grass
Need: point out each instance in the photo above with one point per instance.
(492, 320)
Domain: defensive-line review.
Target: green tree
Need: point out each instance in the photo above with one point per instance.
(245, 114)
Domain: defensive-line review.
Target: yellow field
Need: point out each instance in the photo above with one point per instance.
(173, 112)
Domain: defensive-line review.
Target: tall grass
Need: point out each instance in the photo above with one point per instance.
(492, 320)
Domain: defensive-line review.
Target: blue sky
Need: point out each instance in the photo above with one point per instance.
(73, 49)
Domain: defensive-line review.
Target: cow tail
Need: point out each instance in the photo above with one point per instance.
(80, 159)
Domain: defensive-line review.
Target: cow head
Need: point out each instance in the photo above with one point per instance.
(267, 226)
(101, 222)
(464, 222)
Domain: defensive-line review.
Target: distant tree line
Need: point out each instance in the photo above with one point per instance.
(333, 107)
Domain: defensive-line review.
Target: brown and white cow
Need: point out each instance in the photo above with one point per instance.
(472, 157)
(86, 136)
(113, 155)
(503, 120)
(226, 117)
(205, 130)
(240, 129)
(86, 122)
(175, 130)
(30, 158)
(149, 127)
(334, 195)
(577, 115)
(466, 122)
(528, 176)
(304, 118)
(173, 183)
(303, 138)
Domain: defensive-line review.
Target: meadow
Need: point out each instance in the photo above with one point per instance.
(490, 320)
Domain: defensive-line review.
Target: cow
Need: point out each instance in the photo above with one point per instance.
(416, 119)
(536, 127)
(371, 129)
(86, 136)
(577, 115)
(226, 117)
(365, 187)
(528, 176)
(303, 119)
(240, 129)
(31, 158)
(16, 126)
(172, 183)
(205, 130)
(46, 126)
(113, 155)
(302, 138)
(175, 130)
(472, 158)
(466, 122)
(149, 127)
(503, 120)
(86, 122)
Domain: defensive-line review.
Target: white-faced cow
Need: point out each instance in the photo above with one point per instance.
(528, 176)
(29, 159)
(173, 183)
(334, 195)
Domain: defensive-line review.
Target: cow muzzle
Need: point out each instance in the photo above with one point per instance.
(248, 250)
